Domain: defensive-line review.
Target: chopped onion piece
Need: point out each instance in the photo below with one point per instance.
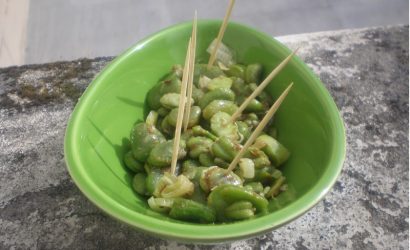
(247, 168)
(183, 186)
(223, 54)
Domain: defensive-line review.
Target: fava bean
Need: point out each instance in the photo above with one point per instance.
(217, 94)
(161, 155)
(143, 139)
(219, 106)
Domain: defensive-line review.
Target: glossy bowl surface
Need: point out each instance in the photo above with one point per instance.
(308, 123)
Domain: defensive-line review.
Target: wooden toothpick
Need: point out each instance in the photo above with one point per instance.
(181, 108)
(221, 33)
(191, 73)
(261, 86)
(259, 128)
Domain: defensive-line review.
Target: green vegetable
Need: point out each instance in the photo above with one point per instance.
(171, 100)
(201, 189)
(219, 106)
(152, 180)
(131, 163)
(217, 94)
(198, 145)
(203, 70)
(215, 176)
(225, 148)
(277, 153)
(240, 210)
(199, 131)
(236, 70)
(143, 139)
(225, 195)
(206, 159)
(138, 183)
(161, 155)
(253, 73)
(244, 130)
(220, 82)
(188, 210)
(194, 116)
(256, 187)
(221, 125)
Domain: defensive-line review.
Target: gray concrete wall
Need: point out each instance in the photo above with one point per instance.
(69, 29)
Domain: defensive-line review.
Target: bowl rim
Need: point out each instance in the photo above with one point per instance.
(215, 232)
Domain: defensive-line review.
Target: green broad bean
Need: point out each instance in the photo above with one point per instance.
(166, 127)
(203, 70)
(263, 175)
(153, 96)
(221, 125)
(255, 106)
(219, 106)
(276, 152)
(153, 177)
(253, 73)
(198, 195)
(256, 187)
(161, 155)
(188, 210)
(236, 70)
(223, 196)
(244, 130)
(221, 163)
(171, 100)
(131, 163)
(194, 116)
(187, 134)
(216, 176)
(197, 94)
(259, 157)
(198, 145)
(216, 94)
(199, 131)
(171, 84)
(138, 184)
(206, 159)
(220, 82)
(225, 148)
(143, 139)
(240, 210)
(239, 87)
(162, 111)
(189, 168)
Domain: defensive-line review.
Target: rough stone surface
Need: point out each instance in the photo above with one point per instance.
(366, 71)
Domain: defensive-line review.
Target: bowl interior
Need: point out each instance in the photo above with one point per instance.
(308, 124)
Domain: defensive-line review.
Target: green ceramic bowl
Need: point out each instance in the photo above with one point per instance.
(308, 123)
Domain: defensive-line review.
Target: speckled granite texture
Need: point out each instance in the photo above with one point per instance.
(366, 71)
